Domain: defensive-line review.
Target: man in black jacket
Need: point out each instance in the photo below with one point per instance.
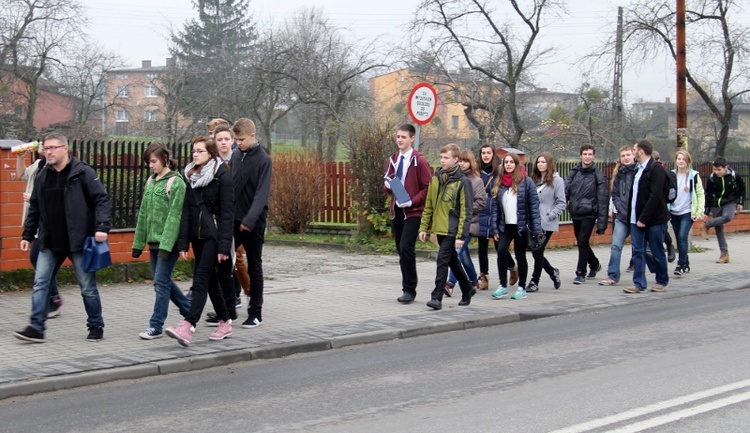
(648, 220)
(588, 200)
(251, 171)
(70, 205)
(725, 196)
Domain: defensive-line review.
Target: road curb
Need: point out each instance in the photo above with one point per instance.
(204, 361)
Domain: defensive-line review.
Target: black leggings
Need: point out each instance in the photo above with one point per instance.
(511, 233)
(484, 263)
(541, 262)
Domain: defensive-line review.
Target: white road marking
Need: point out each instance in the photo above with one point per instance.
(656, 407)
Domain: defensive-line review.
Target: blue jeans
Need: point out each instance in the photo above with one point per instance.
(619, 233)
(653, 236)
(165, 289)
(682, 224)
(465, 258)
(46, 266)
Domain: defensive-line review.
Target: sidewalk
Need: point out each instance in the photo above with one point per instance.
(316, 299)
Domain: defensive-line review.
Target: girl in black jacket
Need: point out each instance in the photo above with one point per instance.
(207, 223)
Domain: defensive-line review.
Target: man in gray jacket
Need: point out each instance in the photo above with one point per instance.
(621, 186)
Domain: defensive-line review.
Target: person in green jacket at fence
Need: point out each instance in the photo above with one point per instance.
(447, 213)
(158, 227)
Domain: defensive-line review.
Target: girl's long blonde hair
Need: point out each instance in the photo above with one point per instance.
(518, 175)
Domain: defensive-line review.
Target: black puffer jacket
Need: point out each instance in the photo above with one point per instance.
(218, 198)
(87, 206)
(588, 195)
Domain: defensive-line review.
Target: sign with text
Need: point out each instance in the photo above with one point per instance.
(422, 103)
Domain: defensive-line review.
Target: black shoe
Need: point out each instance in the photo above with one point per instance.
(556, 278)
(435, 304)
(630, 268)
(592, 272)
(55, 303)
(212, 320)
(671, 256)
(532, 287)
(30, 334)
(251, 322)
(579, 279)
(406, 298)
(96, 333)
(466, 301)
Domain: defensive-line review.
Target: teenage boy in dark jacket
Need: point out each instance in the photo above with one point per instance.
(588, 200)
(648, 216)
(251, 172)
(69, 206)
(725, 195)
(411, 169)
(447, 213)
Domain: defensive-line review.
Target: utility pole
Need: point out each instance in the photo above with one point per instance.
(681, 113)
(617, 83)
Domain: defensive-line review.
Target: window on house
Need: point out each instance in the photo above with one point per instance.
(454, 122)
(152, 75)
(122, 92)
(122, 116)
(150, 115)
(151, 92)
(121, 76)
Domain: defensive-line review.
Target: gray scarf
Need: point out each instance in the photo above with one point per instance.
(201, 178)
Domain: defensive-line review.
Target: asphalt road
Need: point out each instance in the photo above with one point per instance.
(677, 365)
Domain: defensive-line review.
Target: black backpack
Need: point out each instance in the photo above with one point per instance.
(670, 187)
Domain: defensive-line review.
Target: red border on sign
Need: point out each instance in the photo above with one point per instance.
(411, 96)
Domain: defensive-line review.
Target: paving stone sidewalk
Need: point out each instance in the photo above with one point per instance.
(316, 299)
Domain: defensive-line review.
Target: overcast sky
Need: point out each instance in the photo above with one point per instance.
(138, 30)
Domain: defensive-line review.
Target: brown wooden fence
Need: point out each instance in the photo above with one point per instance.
(338, 201)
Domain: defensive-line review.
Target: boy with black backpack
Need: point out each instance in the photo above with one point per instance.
(725, 195)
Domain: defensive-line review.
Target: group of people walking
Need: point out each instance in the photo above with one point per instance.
(496, 200)
(218, 205)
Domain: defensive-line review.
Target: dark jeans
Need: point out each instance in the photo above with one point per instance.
(541, 262)
(207, 272)
(448, 257)
(484, 263)
(519, 248)
(583, 229)
(33, 256)
(166, 290)
(253, 243)
(47, 262)
(651, 236)
(405, 232)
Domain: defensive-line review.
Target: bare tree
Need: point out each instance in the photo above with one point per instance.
(498, 51)
(35, 35)
(717, 65)
(84, 77)
(269, 86)
(326, 70)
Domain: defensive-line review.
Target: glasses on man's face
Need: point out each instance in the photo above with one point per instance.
(51, 148)
(199, 151)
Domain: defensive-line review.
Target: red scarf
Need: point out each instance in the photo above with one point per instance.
(507, 179)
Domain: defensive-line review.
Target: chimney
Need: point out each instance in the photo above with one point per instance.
(170, 62)
(667, 100)
(145, 64)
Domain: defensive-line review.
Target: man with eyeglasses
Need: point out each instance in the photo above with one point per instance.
(70, 206)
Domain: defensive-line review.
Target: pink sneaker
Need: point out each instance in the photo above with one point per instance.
(223, 331)
(183, 333)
